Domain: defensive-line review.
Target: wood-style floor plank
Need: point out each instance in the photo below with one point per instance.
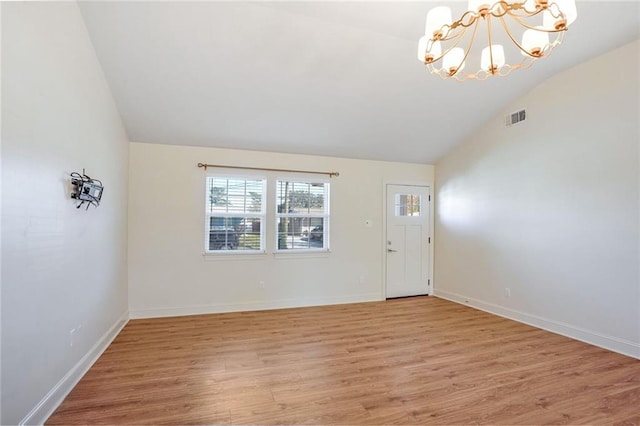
(407, 361)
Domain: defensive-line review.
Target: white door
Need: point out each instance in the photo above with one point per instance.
(408, 240)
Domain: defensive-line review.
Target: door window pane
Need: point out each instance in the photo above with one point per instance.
(407, 205)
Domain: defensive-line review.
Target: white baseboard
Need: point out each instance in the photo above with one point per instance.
(41, 412)
(611, 343)
(250, 306)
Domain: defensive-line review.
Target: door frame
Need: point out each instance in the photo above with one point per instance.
(383, 242)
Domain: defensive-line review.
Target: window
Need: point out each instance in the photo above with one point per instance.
(302, 215)
(235, 214)
(237, 208)
(407, 205)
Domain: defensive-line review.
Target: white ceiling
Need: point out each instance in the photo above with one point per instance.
(327, 78)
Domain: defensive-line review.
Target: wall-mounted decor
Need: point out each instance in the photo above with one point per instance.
(86, 189)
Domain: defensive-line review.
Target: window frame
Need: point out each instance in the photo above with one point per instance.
(262, 214)
(325, 216)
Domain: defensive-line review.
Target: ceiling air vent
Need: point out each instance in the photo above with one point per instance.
(515, 117)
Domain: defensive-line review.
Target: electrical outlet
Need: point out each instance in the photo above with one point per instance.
(261, 284)
(507, 292)
(362, 279)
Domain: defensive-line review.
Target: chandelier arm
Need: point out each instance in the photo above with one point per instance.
(444, 37)
(450, 29)
(491, 70)
(530, 27)
(457, 24)
(457, 42)
(468, 49)
(518, 18)
(506, 30)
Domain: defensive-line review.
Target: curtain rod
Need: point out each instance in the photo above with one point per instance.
(331, 174)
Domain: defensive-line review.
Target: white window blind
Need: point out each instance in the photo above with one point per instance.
(302, 215)
(235, 214)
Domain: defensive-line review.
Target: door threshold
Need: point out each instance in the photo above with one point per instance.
(408, 297)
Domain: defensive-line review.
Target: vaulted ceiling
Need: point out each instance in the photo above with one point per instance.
(326, 78)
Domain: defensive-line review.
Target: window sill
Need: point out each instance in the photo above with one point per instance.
(302, 254)
(234, 255)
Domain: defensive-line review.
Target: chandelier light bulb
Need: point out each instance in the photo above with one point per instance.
(551, 22)
(534, 42)
(568, 7)
(422, 48)
(434, 50)
(428, 50)
(551, 18)
(492, 58)
(436, 18)
(453, 61)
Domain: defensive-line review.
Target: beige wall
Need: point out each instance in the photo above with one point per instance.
(168, 274)
(549, 208)
(62, 268)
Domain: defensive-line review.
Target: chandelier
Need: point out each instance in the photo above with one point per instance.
(531, 29)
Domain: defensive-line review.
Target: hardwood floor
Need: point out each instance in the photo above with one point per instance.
(406, 361)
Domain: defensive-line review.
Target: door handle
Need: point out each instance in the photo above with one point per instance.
(391, 251)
